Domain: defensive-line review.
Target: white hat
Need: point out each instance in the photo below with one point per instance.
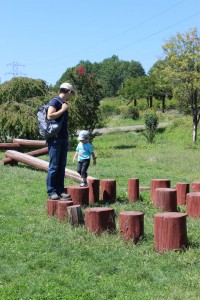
(67, 86)
(83, 134)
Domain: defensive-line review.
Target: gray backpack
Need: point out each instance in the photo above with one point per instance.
(48, 128)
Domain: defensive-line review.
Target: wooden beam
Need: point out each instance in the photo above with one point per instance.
(34, 153)
(39, 163)
(7, 146)
(30, 143)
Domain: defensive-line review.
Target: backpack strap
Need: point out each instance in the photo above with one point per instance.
(61, 117)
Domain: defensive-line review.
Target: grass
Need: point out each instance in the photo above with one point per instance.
(44, 259)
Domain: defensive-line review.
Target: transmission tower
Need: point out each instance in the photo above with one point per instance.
(15, 69)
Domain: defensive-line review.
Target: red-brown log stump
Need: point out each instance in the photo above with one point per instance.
(170, 231)
(62, 211)
(158, 183)
(100, 219)
(165, 199)
(51, 207)
(133, 189)
(131, 225)
(195, 186)
(193, 204)
(182, 189)
(93, 185)
(79, 195)
(108, 190)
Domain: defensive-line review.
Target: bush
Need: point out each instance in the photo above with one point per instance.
(130, 112)
(151, 125)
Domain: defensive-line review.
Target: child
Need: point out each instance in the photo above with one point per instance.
(83, 151)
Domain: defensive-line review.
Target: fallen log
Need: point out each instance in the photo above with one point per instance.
(40, 164)
(34, 153)
(30, 143)
(7, 146)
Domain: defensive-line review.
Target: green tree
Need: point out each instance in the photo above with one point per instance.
(21, 88)
(84, 110)
(140, 87)
(182, 68)
(19, 100)
(162, 87)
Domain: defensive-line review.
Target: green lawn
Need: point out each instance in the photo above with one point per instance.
(44, 259)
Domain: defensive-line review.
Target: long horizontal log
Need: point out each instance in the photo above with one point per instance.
(30, 143)
(40, 164)
(7, 146)
(34, 153)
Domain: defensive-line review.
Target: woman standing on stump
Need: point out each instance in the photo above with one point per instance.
(58, 146)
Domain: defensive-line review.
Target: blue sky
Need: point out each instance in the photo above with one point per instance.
(40, 39)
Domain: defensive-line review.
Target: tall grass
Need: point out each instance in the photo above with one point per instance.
(44, 259)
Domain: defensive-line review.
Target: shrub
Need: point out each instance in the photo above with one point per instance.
(130, 112)
(151, 125)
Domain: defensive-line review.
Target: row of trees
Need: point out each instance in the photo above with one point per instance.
(177, 75)
(20, 99)
(110, 73)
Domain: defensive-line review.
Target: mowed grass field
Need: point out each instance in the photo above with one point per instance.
(42, 258)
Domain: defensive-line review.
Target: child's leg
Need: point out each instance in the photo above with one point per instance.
(85, 165)
(79, 167)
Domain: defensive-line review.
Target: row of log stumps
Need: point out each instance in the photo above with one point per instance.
(167, 199)
(104, 190)
(170, 230)
(66, 211)
(99, 219)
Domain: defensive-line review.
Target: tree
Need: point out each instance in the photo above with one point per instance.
(182, 68)
(21, 88)
(84, 109)
(110, 73)
(162, 87)
(19, 100)
(140, 87)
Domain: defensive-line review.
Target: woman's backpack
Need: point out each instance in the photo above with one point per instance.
(48, 128)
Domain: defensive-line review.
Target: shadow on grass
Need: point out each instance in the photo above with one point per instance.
(24, 166)
(124, 147)
(194, 245)
(161, 130)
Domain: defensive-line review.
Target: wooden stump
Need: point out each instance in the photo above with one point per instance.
(108, 190)
(165, 199)
(158, 183)
(133, 189)
(170, 232)
(100, 219)
(195, 186)
(52, 207)
(182, 189)
(193, 204)
(93, 185)
(62, 209)
(131, 225)
(79, 195)
(75, 215)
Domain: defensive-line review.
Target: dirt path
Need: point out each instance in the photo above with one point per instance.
(124, 128)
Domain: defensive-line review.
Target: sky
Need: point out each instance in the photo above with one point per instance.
(40, 39)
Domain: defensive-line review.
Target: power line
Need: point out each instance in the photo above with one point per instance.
(116, 35)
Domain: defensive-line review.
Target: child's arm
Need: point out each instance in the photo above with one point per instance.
(75, 156)
(94, 158)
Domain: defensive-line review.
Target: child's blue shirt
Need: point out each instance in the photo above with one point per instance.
(84, 151)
